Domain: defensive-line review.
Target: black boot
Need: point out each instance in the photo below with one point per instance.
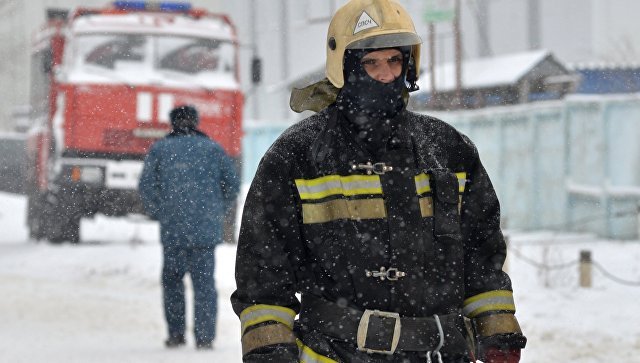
(175, 341)
(206, 345)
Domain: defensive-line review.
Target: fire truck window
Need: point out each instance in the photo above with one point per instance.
(106, 51)
(194, 56)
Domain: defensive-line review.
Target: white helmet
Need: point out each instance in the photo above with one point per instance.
(367, 24)
(360, 24)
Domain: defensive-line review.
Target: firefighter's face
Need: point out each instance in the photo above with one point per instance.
(383, 65)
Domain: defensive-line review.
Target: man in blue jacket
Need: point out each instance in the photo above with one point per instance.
(187, 184)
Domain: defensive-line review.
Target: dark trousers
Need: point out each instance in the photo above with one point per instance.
(199, 262)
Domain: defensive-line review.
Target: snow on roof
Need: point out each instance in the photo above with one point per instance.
(596, 65)
(153, 23)
(476, 73)
(483, 72)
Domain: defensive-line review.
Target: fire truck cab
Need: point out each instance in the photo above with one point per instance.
(103, 82)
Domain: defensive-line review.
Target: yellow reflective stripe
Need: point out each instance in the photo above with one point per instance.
(462, 181)
(422, 182)
(356, 209)
(307, 355)
(426, 206)
(310, 189)
(257, 314)
(497, 300)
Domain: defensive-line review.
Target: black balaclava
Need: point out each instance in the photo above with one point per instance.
(370, 105)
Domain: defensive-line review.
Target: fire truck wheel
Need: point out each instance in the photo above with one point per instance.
(66, 230)
(34, 218)
(58, 223)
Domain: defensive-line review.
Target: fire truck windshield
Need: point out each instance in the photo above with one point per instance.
(156, 59)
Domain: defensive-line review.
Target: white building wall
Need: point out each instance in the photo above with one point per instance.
(567, 29)
(616, 30)
(574, 30)
(13, 60)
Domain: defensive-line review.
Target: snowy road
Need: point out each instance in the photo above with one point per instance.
(100, 301)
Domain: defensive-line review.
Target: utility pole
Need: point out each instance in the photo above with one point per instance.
(483, 21)
(284, 33)
(255, 105)
(534, 24)
(458, 55)
(443, 11)
(432, 65)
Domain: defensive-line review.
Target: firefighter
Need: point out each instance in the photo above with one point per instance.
(383, 222)
(187, 184)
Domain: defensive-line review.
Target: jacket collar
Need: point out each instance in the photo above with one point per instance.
(186, 131)
(335, 150)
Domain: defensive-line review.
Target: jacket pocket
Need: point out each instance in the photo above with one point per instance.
(444, 184)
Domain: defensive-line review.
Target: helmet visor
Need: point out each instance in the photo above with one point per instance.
(386, 41)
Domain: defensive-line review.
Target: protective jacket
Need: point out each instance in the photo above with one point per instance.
(188, 182)
(412, 230)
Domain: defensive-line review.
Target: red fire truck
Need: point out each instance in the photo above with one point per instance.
(103, 82)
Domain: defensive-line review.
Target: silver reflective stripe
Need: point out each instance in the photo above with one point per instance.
(325, 186)
(260, 313)
(499, 300)
(337, 184)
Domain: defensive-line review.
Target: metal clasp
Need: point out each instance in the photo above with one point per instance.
(392, 274)
(363, 328)
(377, 168)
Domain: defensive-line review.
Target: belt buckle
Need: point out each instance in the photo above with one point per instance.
(363, 329)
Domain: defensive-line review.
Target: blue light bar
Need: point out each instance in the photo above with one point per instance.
(151, 5)
(130, 5)
(171, 6)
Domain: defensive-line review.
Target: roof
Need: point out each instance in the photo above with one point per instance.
(484, 72)
(598, 66)
(477, 73)
(153, 23)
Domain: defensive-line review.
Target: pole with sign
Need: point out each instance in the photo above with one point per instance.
(458, 46)
(437, 11)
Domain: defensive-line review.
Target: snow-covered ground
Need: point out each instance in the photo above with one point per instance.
(100, 301)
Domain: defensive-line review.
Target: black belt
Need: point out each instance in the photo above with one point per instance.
(376, 331)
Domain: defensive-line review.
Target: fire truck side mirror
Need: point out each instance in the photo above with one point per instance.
(47, 61)
(256, 70)
(57, 14)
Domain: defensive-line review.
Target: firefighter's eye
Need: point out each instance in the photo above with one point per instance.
(396, 59)
(368, 62)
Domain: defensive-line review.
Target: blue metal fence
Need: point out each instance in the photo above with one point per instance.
(258, 137)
